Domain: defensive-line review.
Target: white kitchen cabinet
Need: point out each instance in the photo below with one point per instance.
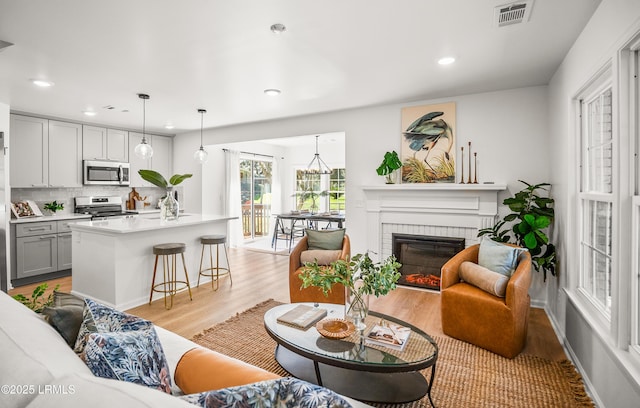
(45, 153)
(161, 161)
(100, 143)
(29, 150)
(65, 151)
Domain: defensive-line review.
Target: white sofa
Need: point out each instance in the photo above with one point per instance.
(39, 369)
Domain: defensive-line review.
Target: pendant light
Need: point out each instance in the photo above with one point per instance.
(317, 165)
(144, 149)
(201, 155)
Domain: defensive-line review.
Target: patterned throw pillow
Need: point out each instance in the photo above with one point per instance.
(132, 356)
(98, 318)
(283, 392)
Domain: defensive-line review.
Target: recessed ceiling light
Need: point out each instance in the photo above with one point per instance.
(42, 83)
(89, 113)
(272, 92)
(278, 28)
(169, 126)
(446, 60)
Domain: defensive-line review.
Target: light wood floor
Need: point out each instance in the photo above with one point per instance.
(258, 276)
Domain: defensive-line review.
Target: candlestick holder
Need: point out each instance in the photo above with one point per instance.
(469, 179)
(462, 162)
(475, 168)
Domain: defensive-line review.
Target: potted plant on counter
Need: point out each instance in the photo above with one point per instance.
(169, 208)
(360, 276)
(53, 206)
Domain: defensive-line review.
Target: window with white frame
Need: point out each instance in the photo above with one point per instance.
(596, 198)
(634, 100)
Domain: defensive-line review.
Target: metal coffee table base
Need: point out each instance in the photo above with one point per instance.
(361, 385)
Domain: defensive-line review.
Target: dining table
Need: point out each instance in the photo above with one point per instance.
(299, 221)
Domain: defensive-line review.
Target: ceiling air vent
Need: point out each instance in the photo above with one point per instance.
(513, 13)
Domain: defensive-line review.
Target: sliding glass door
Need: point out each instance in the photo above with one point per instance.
(255, 191)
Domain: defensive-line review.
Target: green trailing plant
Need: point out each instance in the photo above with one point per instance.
(390, 163)
(532, 214)
(53, 206)
(158, 180)
(37, 302)
(358, 273)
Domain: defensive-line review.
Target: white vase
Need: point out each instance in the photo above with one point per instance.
(169, 208)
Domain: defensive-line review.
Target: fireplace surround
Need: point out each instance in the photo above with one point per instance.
(435, 210)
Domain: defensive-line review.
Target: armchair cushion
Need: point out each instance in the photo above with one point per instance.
(325, 239)
(324, 257)
(499, 257)
(483, 278)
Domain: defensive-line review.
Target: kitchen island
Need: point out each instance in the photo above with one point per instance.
(113, 259)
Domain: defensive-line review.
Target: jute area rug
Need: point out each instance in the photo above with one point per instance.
(466, 376)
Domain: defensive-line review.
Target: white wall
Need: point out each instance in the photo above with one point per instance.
(614, 22)
(508, 129)
(4, 190)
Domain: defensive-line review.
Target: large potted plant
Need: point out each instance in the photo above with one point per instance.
(532, 214)
(390, 163)
(169, 208)
(360, 276)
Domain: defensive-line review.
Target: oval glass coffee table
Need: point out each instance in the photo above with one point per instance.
(351, 367)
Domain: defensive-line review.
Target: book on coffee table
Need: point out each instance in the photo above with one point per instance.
(302, 316)
(388, 334)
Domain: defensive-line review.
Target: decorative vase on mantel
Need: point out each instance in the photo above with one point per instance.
(169, 208)
(356, 307)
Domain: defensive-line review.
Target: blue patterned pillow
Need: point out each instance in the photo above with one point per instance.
(283, 392)
(132, 356)
(98, 318)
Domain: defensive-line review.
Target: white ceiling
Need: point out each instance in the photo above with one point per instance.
(220, 55)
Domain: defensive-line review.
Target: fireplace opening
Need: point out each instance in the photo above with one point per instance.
(422, 257)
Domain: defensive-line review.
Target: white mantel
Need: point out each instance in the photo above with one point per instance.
(439, 209)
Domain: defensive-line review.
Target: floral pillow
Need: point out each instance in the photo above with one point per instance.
(283, 392)
(132, 356)
(98, 318)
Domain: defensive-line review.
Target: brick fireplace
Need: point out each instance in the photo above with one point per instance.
(455, 211)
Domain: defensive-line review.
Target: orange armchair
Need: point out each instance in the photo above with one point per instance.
(477, 317)
(313, 294)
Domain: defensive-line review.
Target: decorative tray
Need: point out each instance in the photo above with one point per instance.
(335, 328)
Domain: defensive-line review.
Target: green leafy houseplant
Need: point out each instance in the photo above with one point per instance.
(359, 274)
(37, 302)
(158, 180)
(532, 214)
(390, 163)
(53, 206)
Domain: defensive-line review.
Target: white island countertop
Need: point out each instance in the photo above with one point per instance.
(140, 224)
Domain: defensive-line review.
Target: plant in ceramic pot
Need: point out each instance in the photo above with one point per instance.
(360, 276)
(390, 163)
(53, 206)
(169, 208)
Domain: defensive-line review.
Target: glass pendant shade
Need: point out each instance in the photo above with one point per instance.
(201, 155)
(143, 150)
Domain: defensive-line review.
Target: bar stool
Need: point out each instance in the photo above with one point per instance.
(168, 253)
(217, 240)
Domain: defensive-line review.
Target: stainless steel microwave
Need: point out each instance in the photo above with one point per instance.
(99, 172)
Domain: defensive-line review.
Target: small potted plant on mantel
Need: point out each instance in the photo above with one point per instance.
(390, 163)
(360, 277)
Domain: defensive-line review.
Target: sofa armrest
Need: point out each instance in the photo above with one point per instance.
(449, 272)
(517, 295)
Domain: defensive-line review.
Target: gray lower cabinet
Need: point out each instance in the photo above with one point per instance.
(41, 247)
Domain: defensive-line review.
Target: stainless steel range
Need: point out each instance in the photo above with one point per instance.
(102, 207)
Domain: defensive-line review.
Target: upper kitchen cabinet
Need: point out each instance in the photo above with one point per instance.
(45, 153)
(65, 150)
(101, 143)
(161, 161)
(29, 150)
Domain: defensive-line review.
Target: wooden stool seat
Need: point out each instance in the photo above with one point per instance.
(215, 272)
(170, 284)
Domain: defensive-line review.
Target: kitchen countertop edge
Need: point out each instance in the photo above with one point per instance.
(139, 224)
(46, 218)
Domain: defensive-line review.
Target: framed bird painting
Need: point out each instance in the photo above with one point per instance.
(428, 143)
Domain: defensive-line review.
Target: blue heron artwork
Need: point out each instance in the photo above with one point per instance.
(427, 144)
